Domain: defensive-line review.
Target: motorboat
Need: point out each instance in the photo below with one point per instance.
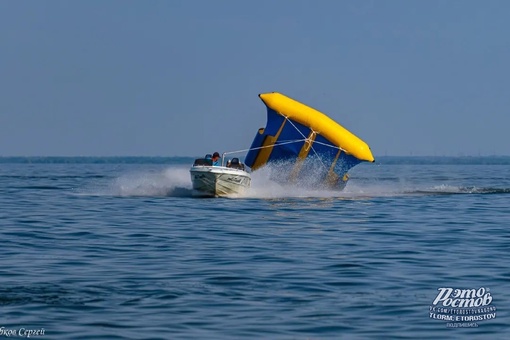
(230, 179)
(300, 145)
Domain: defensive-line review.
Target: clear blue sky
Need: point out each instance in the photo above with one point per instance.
(181, 78)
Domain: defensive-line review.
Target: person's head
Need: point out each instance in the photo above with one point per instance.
(215, 156)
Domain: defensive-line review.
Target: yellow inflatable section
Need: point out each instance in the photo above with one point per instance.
(320, 123)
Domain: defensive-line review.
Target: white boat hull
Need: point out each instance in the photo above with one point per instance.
(218, 181)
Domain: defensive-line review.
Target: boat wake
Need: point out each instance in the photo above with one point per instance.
(449, 190)
(171, 182)
(175, 182)
(358, 188)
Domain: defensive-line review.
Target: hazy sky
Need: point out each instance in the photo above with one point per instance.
(181, 78)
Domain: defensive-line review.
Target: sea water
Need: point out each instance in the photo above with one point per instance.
(116, 248)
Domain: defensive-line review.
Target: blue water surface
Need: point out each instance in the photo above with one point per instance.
(116, 248)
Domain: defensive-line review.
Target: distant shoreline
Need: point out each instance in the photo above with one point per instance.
(495, 160)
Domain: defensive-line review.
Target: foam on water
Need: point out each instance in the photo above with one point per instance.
(263, 186)
(169, 182)
(175, 181)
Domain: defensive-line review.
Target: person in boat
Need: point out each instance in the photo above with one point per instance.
(216, 159)
(235, 163)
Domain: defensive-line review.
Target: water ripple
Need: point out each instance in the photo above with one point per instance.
(109, 251)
